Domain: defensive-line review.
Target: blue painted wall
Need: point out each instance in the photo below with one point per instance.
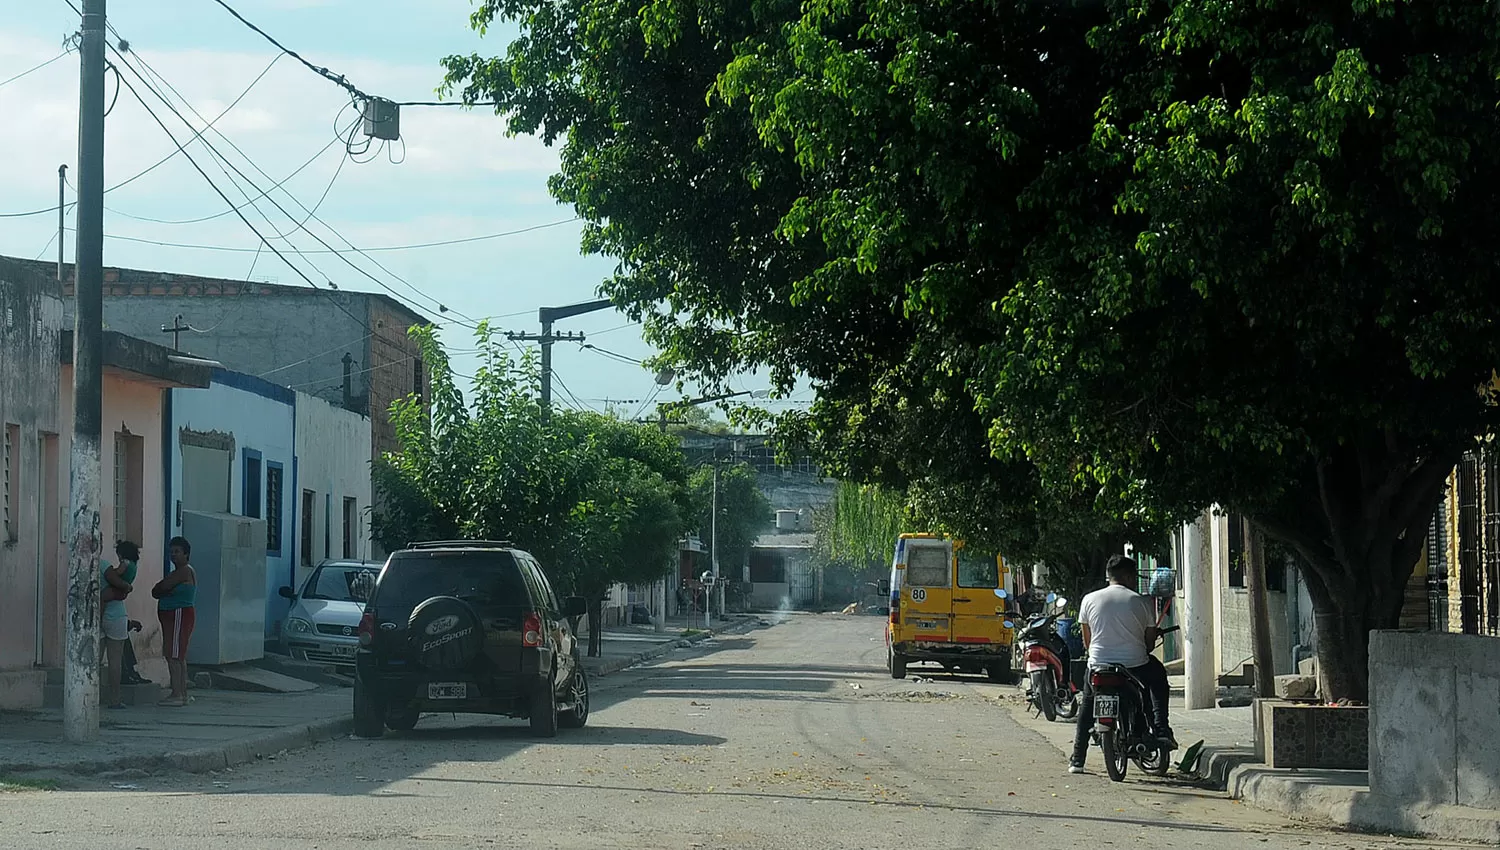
(260, 417)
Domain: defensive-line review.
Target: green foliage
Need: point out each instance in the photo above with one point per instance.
(1123, 258)
(597, 500)
(861, 525)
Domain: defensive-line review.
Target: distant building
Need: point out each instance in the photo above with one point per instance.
(348, 348)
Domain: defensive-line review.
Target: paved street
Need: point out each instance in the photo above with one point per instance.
(790, 736)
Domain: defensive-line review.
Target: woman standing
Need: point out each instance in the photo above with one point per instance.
(175, 596)
(117, 581)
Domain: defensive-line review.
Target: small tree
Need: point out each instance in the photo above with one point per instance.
(596, 500)
(744, 512)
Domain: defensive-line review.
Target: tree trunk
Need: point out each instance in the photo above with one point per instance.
(1359, 523)
(596, 626)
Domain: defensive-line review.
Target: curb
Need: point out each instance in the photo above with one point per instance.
(1312, 797)
(615, 665)
(205, 759)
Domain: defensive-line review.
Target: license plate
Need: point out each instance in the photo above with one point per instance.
(1106, 705)
(448, 690)
(341, 651)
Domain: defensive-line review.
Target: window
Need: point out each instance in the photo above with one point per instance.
(980, 571)
(927, 566)
(128, 486)
(351, 525)
(416, 377)
(484, 578)
(274, 473)
(251, 499)
(309, 498)
(10, 480)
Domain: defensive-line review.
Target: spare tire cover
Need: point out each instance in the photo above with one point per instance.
(445, 633)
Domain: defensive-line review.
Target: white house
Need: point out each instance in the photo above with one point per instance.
(333, 493)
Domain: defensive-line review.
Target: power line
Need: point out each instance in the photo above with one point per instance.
(315, 157)
(382, 284)
(144, 105)
(337, 79)
(382, 248)
(34, 69)
(610, 354)
(155, 165)
(315, 356)
(558, 378)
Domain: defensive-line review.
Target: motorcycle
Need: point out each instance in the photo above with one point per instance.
(1044, 653)
(1122, 724)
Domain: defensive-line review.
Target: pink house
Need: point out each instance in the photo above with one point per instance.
(36, 415)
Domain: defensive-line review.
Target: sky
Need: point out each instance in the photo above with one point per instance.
(454, 175)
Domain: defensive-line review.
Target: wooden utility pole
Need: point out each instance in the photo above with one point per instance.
(176, 329)
(81, 667)
(1260, 612)
(62, 217)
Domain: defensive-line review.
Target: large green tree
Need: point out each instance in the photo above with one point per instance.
(1163, 252)
(598, 501)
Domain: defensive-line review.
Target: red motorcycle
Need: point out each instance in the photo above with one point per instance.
(1044, 654)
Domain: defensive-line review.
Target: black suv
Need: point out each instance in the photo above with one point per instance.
(467, 626)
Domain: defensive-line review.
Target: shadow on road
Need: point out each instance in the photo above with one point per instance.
(1019, 814)
(486, 730)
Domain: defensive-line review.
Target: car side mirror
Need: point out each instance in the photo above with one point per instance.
(575, 606)
(287, 593)
(885, 587)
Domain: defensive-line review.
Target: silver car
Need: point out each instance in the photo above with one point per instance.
(323, 624)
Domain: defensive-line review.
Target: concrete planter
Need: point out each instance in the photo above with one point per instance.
(1289, 734)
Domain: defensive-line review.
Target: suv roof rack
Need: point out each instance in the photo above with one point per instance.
(462, 544)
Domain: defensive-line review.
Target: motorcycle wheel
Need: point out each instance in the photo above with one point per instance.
(1115, 760)
(1157, 763)
(1067, 704)
(1042, 693)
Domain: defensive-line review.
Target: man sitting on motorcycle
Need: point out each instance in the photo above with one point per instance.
(1119, 628)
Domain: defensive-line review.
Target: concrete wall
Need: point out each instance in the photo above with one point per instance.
(31, 310)
(252, 415)
(1435, 718)
(135, 404)
(333, 463)
(1233, 648)
(301, 337)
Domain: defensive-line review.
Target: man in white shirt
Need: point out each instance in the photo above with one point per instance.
(1119, 628)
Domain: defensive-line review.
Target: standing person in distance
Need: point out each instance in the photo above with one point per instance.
(176, 595)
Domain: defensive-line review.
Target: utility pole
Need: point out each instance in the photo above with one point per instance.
(62, 217)
(713, 549)
(176, 331)
(81, 669)
(548, 315)
(1260, 612)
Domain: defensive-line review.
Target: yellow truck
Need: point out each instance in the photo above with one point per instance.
(948, 607)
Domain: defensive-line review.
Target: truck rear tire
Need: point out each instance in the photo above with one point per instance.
(897, 664)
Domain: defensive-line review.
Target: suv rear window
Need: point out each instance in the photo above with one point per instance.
(927, 566)
(485, 578)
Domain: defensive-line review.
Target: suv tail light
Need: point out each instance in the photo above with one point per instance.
(531, 630)
(367, 629)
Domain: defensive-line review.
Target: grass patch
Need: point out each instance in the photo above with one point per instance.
(12, 784)
(691, 632)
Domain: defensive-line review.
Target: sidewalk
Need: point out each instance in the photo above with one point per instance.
(224, 728)
(218, 730)
(1338, 797)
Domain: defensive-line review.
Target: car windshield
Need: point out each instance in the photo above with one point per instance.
(341, 583)
(488, 578)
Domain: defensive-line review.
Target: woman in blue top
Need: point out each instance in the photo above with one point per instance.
(175, 596)
(115, 584)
